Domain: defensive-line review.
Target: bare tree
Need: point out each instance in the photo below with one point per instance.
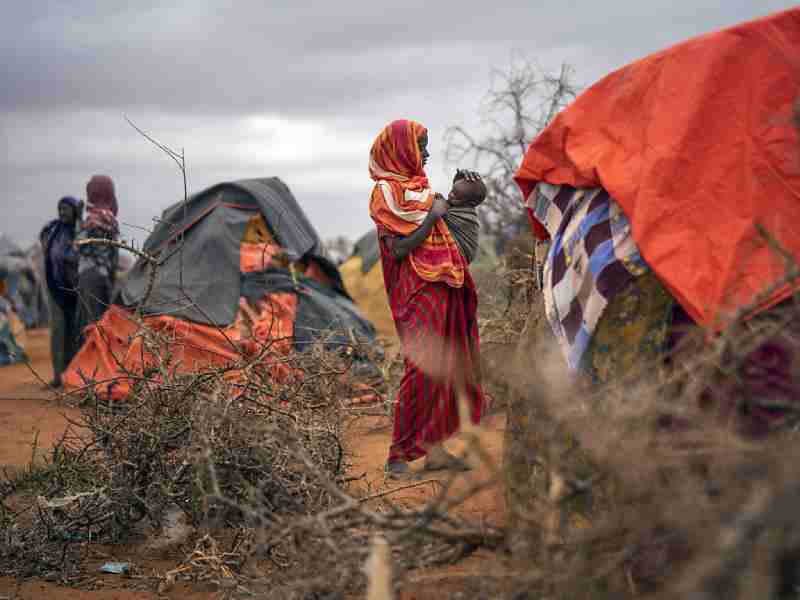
(520, 103)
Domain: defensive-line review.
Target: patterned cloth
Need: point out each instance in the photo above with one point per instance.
(98, 262)
(100, 222)
(402, 198)
(101, 219)
(97, 257)
(592, 257)
(633, 336)
(438, 329)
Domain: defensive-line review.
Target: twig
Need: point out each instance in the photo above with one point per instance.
(397, 489)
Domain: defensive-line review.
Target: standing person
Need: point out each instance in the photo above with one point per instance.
(61, 276)
(432, 297)
(98, 262)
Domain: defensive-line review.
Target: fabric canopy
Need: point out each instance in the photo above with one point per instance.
(698, 146)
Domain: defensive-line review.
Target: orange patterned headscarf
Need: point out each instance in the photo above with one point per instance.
(402, 198)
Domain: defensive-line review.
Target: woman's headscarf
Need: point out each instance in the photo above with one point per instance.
(102, 205)
(100, 193)
(60, 259)
(56, 225)
(402, 198)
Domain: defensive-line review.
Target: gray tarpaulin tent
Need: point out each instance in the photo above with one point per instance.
(14, 274)
(198, 242)
(367, 248)
(38, 295)
(11, 351)
(199, 279)
(23, 272)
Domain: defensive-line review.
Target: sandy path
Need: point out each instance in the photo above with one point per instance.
(28, 411)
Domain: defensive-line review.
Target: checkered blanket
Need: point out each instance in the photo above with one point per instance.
(592, 256)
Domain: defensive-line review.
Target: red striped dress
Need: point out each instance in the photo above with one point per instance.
(438, 329)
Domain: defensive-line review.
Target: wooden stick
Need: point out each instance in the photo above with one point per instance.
(396, 489)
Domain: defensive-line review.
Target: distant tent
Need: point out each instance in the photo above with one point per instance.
(22, 287)
(363, 277)
(9, 247)
(35, 295)
(12, 333)
(241, 266)
(24, 281)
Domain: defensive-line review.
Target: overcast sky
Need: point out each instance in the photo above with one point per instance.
(292, 88)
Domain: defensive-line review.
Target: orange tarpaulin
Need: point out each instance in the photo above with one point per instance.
(697, 145)
(117, 340)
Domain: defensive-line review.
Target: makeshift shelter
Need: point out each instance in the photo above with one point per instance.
(240, 269)
(23, 273)
(12, 332)
(697, 145)
(34, 293)
(363, 277)
(22, 287)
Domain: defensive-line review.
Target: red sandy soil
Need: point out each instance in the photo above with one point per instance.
(30, 412)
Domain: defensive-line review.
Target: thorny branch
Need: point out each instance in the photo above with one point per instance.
(522, 100)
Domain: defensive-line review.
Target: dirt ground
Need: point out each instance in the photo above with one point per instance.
(33, 417)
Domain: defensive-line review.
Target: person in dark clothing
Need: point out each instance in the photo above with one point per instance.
(97, 263)
(61, 273)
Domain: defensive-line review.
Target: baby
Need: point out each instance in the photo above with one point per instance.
(468, 192)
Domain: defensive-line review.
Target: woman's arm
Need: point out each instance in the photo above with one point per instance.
(403, 246)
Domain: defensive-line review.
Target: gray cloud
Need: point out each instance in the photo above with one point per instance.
(296, 89)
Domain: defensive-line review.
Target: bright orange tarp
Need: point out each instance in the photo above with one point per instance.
(697, 145)
(117, 340)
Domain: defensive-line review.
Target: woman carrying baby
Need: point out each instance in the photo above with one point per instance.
(426, 244)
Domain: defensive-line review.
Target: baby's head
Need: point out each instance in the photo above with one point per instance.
(466, 193)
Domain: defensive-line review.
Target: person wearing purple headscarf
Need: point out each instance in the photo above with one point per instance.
(97, 263)
(61, 274)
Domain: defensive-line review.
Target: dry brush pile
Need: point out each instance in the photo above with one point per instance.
(258, 469)
(676, 484)
(221, 454)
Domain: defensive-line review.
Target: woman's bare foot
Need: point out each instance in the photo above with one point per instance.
(439, 459)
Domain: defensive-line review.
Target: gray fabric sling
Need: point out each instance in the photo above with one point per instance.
(464, 226)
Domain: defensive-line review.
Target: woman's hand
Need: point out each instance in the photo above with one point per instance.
(440, 206)
(403, 246)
